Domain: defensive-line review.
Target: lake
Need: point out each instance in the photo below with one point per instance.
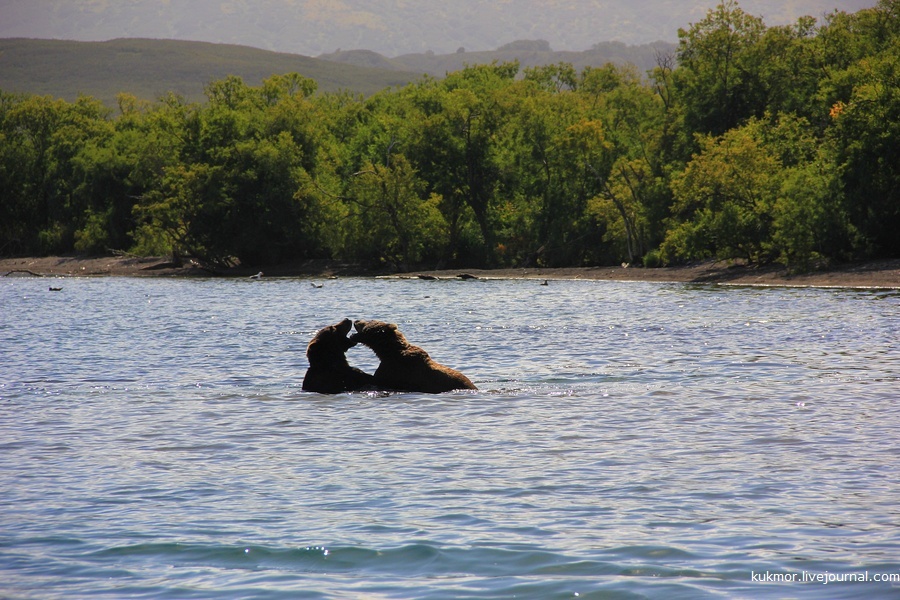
(628, 440)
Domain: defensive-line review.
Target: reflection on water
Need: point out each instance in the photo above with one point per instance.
(663, 440)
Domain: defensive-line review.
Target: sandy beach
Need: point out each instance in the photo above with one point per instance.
(875, 274)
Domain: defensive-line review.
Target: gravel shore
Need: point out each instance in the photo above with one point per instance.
(877, 274)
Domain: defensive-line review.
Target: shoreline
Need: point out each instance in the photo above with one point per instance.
(882, 274)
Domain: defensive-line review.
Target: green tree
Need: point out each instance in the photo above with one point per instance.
(242, 189)
(809, 223)
(553, 78)
(391, 220)
(453, 127)
(788, 68)
(158, 141)
(718, 77)
(863, 88)
(114, 172)
(634, 195)
(553, 146)
(41, 137)
(724, 199)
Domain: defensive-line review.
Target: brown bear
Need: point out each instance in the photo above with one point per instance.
(329, 372)
(405, 367)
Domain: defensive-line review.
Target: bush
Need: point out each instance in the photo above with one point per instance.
(652, 259)
(93, 238)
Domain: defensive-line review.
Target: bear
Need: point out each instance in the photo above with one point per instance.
(405, 367)
(329, 372)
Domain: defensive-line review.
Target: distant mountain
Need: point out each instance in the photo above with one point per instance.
(529, 53)
(388, 27)
(151, 68)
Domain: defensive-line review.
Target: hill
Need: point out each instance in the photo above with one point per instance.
(388, 27)
(151, 68)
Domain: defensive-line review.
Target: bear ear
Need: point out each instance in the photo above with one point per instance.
(344, 326)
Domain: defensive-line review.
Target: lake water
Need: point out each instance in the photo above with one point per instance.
(628, 440)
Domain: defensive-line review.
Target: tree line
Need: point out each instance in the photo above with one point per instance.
(751, 142)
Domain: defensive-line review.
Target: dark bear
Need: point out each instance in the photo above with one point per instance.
(405, 367)
(329, 372)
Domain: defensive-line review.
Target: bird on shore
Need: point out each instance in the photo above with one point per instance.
(257, 276)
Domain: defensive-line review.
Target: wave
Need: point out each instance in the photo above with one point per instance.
(405, 560)
(419, 569)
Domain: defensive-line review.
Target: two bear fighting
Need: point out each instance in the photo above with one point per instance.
(403, 368)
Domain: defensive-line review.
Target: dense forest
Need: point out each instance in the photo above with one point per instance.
(752, 142)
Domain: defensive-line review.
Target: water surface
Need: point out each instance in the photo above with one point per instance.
(628, 440)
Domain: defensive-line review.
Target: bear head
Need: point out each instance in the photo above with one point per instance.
(330, 342)
(379, 336)
(329, 372)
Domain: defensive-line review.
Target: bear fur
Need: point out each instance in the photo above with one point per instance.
(405, 367)
(329, 372)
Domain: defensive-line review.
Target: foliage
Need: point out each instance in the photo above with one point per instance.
(762, 144)
(720, 67)
(726, 194)
(389, 219)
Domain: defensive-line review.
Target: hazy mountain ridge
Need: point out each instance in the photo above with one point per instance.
(387, 27)
(529, 53)
(151, 68)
